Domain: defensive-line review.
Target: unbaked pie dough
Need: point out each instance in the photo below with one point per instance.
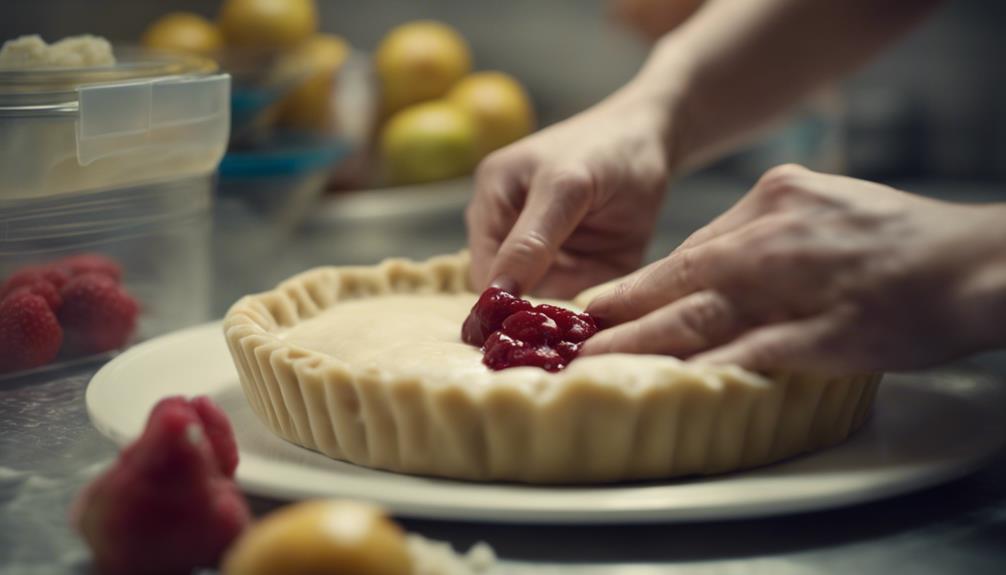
(366, 364)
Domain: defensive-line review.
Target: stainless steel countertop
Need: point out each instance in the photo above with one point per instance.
(48, 448)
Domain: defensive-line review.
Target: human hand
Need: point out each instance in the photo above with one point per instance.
(573, 205)
(653, 18)
(813, 272)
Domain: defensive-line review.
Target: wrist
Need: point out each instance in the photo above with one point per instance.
(662, 87)
(985, 286)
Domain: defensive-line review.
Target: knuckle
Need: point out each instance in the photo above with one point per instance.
(570, 182)
(683, 269)
(706, 313)
(623, 295)
(779, 181)
(528, 247)
(491, 166)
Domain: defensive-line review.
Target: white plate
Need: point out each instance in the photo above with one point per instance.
(926, 429)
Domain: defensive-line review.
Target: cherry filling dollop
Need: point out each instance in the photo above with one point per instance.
(512, 332)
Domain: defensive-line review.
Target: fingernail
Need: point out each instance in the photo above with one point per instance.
(600, 306)
(595, 345)
(506, 284)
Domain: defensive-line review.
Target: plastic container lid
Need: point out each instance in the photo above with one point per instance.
(152, 116)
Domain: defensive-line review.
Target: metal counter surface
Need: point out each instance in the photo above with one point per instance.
(48, 448)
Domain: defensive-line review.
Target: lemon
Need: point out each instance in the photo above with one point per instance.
(317, 62)
(321, 537)
(429, 141)
(268, 24)
(499, 105)
(420, 61)
(183, 32)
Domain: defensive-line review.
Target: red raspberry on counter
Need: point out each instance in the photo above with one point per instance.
(512, 332)
(97, 314)
(30, 335)
(219, 431)
(169, 503)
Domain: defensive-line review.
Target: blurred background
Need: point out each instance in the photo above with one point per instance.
(931, 106)
(345, 147)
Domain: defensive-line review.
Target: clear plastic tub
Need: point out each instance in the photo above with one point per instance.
(116, 161)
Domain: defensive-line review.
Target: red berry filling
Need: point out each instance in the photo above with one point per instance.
(512, 332)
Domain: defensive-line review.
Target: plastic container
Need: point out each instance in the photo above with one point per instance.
(116, 161)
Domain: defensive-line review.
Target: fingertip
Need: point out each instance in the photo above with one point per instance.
(716, 357)
(596, 345)
(506, 283)
(605, 307)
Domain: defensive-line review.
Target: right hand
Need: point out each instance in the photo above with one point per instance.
(573, 205)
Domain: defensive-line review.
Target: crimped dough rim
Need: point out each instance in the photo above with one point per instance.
(291, 389)
(268, 313)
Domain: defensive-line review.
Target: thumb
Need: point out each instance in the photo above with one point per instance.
(556, 204)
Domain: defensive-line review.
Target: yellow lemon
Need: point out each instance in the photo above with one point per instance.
(420, 61)
(183, 32)
(429, 141)
(317, 62)
(268, 24)
(499, 105)
(321, 537)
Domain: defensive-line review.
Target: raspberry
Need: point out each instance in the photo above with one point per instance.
(31, 275)
(30, 336)
(80, 264)
(219, 432)
(166, 505)
(568, 350)
(45, 290)
(97, 314)
(575, 327)
(503, 351)
(531, 327)
(514, 333)
(494, 306)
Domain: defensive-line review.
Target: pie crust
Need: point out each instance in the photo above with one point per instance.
(604, 418)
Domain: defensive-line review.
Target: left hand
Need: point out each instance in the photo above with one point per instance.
(821, 273)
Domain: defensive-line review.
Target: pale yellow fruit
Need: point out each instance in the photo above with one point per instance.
(316, 62)
(420, 61)
(184, 32)
(320, 537)
(428, 142)
(268, 24)
(499, 105)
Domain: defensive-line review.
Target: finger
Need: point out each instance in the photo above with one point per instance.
(500, 187)
(753, 205)
(740, 213)
(571, 274)
(660, 283)
(615, 306)
(556, 204)
(688, 326)
(803, 345)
